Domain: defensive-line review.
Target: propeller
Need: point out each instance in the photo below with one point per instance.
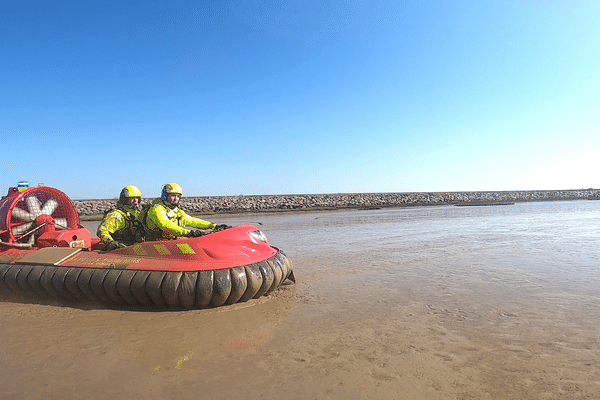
(28, 218)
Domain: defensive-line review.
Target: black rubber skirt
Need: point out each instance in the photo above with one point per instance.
(123, 287)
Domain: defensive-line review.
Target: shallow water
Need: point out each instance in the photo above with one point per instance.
(417, 303)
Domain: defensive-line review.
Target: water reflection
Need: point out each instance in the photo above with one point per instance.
(482, 302)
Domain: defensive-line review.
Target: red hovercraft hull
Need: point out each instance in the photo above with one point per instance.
(60, 259)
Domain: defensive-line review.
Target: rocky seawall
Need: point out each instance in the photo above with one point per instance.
(299, 202)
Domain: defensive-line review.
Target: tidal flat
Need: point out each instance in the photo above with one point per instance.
(438, 302)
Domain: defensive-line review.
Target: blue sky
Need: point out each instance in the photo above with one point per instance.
(278, 97)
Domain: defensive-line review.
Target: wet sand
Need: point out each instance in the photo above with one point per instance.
(438, 307)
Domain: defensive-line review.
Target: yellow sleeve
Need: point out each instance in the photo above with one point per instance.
(157, 218)
(194, 222)
(113, 222)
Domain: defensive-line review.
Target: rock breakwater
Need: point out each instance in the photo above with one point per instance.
(266, 203)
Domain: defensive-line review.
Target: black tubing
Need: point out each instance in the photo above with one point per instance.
(84, 283)
(239, 284)
(278, 275)
(169, 288)
(186, 289)
(22, 278)
(46, 281)
(138, 288)
(97, 284)
(33, 279)
(72, 285)
(195, 289)
(153, 287)
(110, 286)
(124, 286)
(10, 277)
(222, 287)
(268, 278)
(58, 282)
(204, 288)
(254, 281)
(3, 270)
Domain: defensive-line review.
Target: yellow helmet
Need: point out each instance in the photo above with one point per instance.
(129, 191)
(171, 188)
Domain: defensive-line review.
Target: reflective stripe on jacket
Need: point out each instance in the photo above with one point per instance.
(165, 222)
(118, 225)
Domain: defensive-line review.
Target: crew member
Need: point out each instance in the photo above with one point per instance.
(165, 220)
(117, 227)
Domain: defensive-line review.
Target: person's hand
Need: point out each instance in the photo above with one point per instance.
(196, 233)
(221, 227)
(114, 245)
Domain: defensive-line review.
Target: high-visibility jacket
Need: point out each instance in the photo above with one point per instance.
(118, 225)
(167, 222)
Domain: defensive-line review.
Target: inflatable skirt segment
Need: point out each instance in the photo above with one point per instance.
(183, 289)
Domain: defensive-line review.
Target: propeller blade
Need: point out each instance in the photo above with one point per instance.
(60, 223)
(34, 205)
(22, 215)
(49, 207)
(21, 229)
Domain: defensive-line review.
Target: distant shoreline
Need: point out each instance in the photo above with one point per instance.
(210, 205)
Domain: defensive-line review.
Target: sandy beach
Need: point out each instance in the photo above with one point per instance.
(427, 303)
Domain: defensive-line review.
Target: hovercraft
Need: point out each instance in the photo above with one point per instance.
(44, 251)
